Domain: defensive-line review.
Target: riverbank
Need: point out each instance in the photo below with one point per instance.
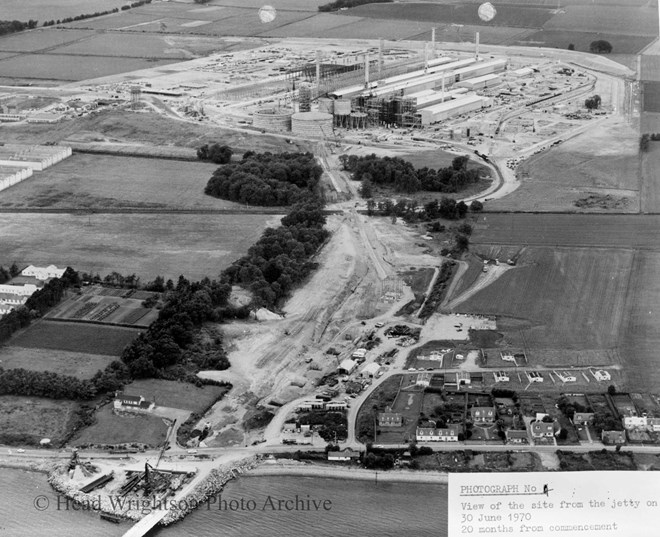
(41, 466)
(292, 468)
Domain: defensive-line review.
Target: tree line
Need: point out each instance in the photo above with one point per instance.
(11, 27)
(8, 274)
(95, 14)
(267, 179)
(401, 175)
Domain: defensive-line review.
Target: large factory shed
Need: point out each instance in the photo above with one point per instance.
(455, 107)
(480, 82)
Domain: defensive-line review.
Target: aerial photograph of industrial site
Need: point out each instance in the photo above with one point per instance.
(329, 268)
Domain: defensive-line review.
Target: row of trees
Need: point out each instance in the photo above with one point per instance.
(277, 262)
(10, 27)
(281, 258)
(412, 211)
(95, 14)
(345, 4)
(266, 179)
(44, 384)
(403, 177)
(8, 274)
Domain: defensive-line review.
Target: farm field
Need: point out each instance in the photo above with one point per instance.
(650, 187)
(492, 35)
(147, 245)
(31, 419)
(104, 181)
(41, 39)
(561, 296)
(75, 337)
(69, 68)
(75, 364)
(128, 428)
(107, 305)
(521, 16)
(172, 394)
(42, 10)
(573, 230)
(125, 126)
(607, 20)
(603, 162)
(641, 331)
(621, 43)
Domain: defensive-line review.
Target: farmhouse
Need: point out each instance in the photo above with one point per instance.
(390, 419)
(346, 455)
(43, 273)
(483, 414)
(433, 434)
(134, 403)
(21, 290)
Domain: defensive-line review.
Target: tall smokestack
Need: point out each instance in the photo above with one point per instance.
(366, 70)
(433, 42)
(426, 55)
(476, 48)
(381, 46)
(443, 87)
(318, 68)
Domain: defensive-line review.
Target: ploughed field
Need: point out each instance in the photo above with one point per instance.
(584, 290)
(147, 245)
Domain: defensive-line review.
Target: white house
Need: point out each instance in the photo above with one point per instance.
(602, 375)
(423, 379)
(346, 455)
(27, 289)
(43, 273)
(432, 434)
(133, 403)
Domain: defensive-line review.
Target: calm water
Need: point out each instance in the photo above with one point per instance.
(20, 518)
(356, 508)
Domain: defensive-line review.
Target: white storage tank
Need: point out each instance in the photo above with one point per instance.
(312, 124)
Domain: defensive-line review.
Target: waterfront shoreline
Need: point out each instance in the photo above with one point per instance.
(316, 470)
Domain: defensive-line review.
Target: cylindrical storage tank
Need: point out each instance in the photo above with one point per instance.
(359, 120)
(311, 124)
(342, 107)
(272, 119)
(326, 105)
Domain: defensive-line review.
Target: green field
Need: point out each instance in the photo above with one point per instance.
(621, 43)
(112, 429)
(75, 337)
(564, 298)
(607, 20)
(103, 181)
(147, 245)
(75, 364)
(641, 330)
(169, 393)
(26, 420)
(517, 15)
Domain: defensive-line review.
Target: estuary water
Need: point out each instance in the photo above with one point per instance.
(248, 507)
